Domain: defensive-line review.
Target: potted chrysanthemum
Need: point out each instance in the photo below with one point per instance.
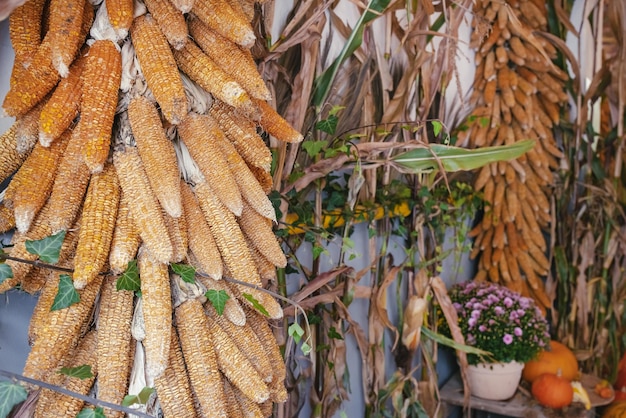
(502, 322)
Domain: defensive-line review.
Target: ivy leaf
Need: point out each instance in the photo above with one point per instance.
(129, 280)
(5, 272)
(296, 332)
(218, 299)
(436, 127)
(11, 394)
(255, 303)
(91, 413)
(328, 125)
(317, 251)
(48, 248)
(313, 148)
(140, 398)
(81, 372)
(332, 333)
(66, 295)
(306, 348)
(185, 271)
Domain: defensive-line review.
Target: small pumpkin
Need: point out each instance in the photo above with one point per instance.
(615, 410)
(558, 359)
(552, 391)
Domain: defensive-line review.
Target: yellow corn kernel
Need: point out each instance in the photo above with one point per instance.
(258, 231)
(232, 309)
(243, 135)
(145, 209)
(43, 305)
(65, 21)
(204, 71)
(198, 349)
(97, 226)
(173, 387)
(157, 311)
(120, 14)
(70, 184)
(247, 342)
(159, 68)
(54, 404)
(62, 108)
(157, 154)
(220, 17)
(232, 405)
(201, 241)
(126, 240)
(264, 177)
(114, 350)
(32, 184)
(171, 21)
(102, 73)
(235, 366)
(201, 135)
(275, 125)
(228, 55)
(25, 30)
(250, 188)
(10, 159)
(61, 332)
(177, 230)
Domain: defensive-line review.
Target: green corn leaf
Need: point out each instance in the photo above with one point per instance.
(453, 159)
(442, 339)
(48, 248)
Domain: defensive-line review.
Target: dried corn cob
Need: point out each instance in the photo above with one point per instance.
(25, 30)
(97, 226)
(235, 366)
(247, 342)
(145, 209)
(7, 220)
(53, 404)
(60, 333)
(220, 17)
(157, 311)
(259, 324)
(201, 135)
(258, 231)
(159, 68)
(43, 305)
(232, 309)
(65, 22)
(201, 69)
(114, 343)
(184, 6)
(232, 405)
(200, 357)
(249, 186)
(10, 159)
(275, 125)
(32, 184)
(264, 177)
(157, 154)
(177, 231)
(170, 20)
(247, 8)
(102, 73)
(126, 240)
(120, 14)
(28, 128)
(70, 185)
(227, 55)
(266, 269)
(173, 387)
(249, 408)
(63, 107)
(201, 241)
(243, 135)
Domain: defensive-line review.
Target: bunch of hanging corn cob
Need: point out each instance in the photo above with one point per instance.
(518, 94)
(136, 135)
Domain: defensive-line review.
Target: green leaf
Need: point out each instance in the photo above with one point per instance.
(442, 339)
(129, 280)
(328, 125)
(218, 299)
(437, 126)
(324, 82)
(66, 295)
(48, 248)
(313, 148)
(255, 303)
(296, 332)
(81, 372)
(141, 398)
(306, 349)
(332, 333)
(5, 272)
(185, 271)
(317, 251)
(98, 412)
(456, 158)
(11, 394)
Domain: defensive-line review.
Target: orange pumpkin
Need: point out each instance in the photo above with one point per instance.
(559, 359)
(552, 391)
(615, 410)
